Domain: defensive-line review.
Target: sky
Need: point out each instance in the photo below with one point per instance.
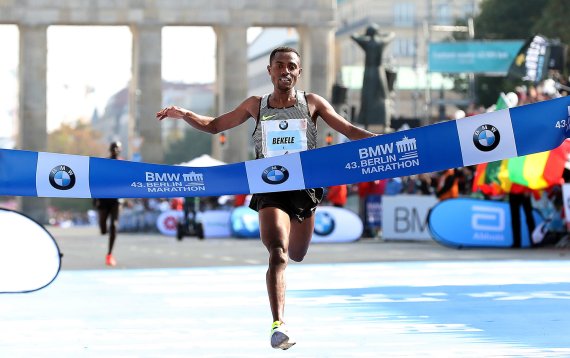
(87, 65)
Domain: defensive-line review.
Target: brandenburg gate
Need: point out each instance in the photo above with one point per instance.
(230, 19)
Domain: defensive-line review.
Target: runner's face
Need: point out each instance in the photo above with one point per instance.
(284, 70)
(116, 150)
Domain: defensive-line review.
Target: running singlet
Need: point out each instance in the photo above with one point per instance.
(284, 130)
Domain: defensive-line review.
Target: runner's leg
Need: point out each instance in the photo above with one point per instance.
(114, 214)
(103, 215)
(300, 238)
(275, 225)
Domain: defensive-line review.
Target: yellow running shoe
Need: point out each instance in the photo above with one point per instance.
(280, 337)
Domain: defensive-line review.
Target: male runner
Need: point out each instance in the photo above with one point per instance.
(286, 219)
(108, 209)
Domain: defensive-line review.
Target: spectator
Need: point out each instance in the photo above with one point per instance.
(448, 186)
(337, 195)
(520, 197)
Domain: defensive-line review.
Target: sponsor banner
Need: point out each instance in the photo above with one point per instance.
(541, 126)
(62, 175)
(216, 223)
(332, 224)
(18, 172)
(167, 222)
(123, 179)
(486, 137)
(244, 222)
(403, 153)
(489, 138)
(30, 256)
(476, 223)
(279, 173)
(373, 211)
(491, 57)
(405, 217)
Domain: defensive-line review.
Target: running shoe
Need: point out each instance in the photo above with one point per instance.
(110, 260)
(280, 337)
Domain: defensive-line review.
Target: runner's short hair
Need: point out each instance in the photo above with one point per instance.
(282, 49)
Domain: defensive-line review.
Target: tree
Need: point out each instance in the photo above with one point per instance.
(507, 19)
(80, 139)
(504, 20)
(554, 22)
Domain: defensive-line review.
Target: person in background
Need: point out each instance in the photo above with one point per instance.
(337, 195)
(177, 204)
(520, 196)
(108, 210)
(448, 185)
(240, 199)
(286, 219)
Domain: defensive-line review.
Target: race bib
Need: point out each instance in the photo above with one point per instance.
(283, 137)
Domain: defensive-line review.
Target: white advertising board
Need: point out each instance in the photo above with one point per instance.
(404, 217)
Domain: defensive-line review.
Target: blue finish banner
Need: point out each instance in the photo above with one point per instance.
(476, 223)
(490, 57)
(483, 138)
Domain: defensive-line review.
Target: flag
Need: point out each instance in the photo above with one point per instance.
(502, 102)
(540, 170)
(486, 178)
(534, 171)
(531, 62)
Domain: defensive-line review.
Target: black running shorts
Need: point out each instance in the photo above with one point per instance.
(299, 204)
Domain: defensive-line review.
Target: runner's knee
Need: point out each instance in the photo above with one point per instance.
(277, 256)
(297, 256)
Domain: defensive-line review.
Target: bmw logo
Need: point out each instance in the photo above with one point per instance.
(324, 224)
(275, 174)
(62, 177)
(486, 137)
(283, 125)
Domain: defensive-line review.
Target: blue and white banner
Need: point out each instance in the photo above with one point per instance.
(486, 137)
(467, 222)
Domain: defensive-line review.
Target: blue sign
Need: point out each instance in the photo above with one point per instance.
(244, 222)
(490, 57)
(373, 205)
(467, 222)
(478, 139)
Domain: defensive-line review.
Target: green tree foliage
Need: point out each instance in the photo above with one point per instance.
(79, 139)
(193, 144)
(504, 20)
(508, 19)
(554, 22)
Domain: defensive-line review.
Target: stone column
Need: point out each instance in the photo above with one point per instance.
(317, 59)
(317, 54)
(145, 94)
(231, 79)
(32, 131)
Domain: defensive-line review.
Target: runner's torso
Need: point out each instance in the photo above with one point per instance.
(284, 130)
